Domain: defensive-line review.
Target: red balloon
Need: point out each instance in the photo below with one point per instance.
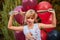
(43, 35)
(29, 4)
(19, 18)
(19, 35)
(44, 16)
(18, 8)
(44, 5)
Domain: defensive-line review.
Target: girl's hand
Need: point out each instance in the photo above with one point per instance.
(51, 10)
(21, 12)
(12, 13)
(29, 36)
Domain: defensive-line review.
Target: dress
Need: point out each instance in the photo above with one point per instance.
(35, 31)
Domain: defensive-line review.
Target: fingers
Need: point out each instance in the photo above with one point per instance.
(13, 13)
(29, 36)
(21, 12)
(51, 10)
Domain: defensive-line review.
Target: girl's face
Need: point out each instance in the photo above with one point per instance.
(30, 20)
(30, 16)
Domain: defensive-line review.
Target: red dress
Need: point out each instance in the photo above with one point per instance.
(45, 19)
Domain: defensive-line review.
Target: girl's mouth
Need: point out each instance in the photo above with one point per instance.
(28, 21)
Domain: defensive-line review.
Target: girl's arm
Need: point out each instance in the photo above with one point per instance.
(20, 28)
(52, 25)
(29, 37)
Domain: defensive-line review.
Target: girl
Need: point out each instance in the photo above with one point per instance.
(31, 30)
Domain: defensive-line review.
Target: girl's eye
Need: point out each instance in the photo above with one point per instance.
(28, 17)
(32, 18)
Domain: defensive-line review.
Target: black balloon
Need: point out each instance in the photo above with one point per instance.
(54, 35)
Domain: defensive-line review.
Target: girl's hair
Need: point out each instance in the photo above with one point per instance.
(31, 14)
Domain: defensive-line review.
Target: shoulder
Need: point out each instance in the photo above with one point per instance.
(36, 25)
(25, 27)
(25, 30)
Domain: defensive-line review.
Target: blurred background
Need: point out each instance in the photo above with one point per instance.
(7, 5)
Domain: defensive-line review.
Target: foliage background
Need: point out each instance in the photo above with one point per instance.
(8, 5)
